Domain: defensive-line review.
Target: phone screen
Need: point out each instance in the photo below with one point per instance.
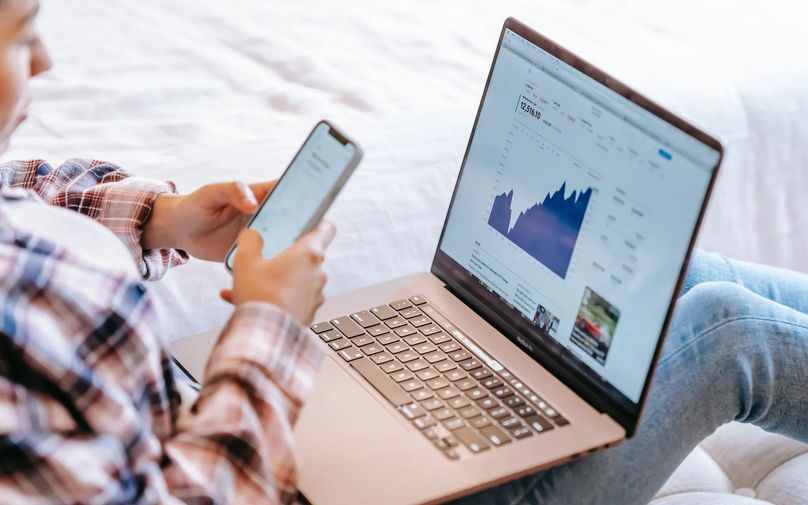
(300, 192)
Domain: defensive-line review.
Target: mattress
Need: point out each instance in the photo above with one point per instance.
(200, 91)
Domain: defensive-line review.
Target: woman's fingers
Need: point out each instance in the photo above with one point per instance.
(227, 295)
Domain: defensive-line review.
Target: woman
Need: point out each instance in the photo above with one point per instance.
(89, 406)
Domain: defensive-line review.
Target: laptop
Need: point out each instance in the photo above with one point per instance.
(533, 339)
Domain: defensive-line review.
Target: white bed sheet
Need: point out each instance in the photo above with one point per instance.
(204, 90)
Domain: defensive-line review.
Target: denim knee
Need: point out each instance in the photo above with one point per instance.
(710, 304)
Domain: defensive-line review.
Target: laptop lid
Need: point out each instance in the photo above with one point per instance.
(573, 218)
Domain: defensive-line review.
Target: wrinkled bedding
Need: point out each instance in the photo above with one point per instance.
(204, 90)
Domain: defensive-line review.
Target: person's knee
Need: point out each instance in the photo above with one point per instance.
(704, 308)
(705, 267)
(711, 303)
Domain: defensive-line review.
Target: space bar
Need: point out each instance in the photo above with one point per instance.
(381, 382)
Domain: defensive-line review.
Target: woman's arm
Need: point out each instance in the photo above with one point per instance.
(104, 192)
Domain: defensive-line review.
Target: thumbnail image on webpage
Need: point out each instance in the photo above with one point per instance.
(595, 326)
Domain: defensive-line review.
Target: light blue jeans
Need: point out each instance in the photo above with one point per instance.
(737, 350)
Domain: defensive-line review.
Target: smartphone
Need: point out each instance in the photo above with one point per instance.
(305, 191)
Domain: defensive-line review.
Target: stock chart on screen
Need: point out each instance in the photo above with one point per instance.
(540, 198)
(548, 230)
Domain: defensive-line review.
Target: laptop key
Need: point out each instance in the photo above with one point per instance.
(456, 375)
(502, 392)
(393, 366)
(450, 441)
(365, 319)
(412, 411)
(476, 393)
(397, 347)
(405, 331)
(415, 339)
(430, 434)
(437, 383)
(427, 373)
(382, 382)
(429, 330)
(496, 436)
(451, 454)
(481, 422)
(417, 365)
(525, 411)
(379, 330)
(430, 311)
(420, 321)
(410, 313)
(448, 393)
(432, 404)
(348, 327)
(340, 344)
(445, 366)
(471, 439)
(387, 339)
(411, 385)
(401, 376)
(373, 349)
(466, 384)
(418, 300)
(382, 358)
(422, 394)
(491, 383)
(450, 347)
(363, 340)
(510, 422)
(351, 354)
(383, 312)
(521, 432)
(439, 338)
(481, 373)
(488, 403)
(425, 348)
(499, 413)
(401, 305)
(459, 402)
(441, 444)
(539, 423)
(425, 422)
(470, 364)
(514, 401)
(330, 335)
(395, 322)
(406, 356)
(321, 327)
(460, 355)
(443, 414)
(454, 424)
(560, 421)
(469, 412)
(435, 357)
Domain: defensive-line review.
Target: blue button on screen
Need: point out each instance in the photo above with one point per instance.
(665, 154)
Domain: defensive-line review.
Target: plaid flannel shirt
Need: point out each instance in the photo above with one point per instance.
(89, 410)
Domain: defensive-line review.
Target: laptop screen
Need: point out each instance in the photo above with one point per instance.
(573, 215)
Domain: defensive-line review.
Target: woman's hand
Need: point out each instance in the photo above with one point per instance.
(293, 280)
(205, 223)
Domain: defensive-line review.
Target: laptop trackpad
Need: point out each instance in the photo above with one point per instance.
(341, 415)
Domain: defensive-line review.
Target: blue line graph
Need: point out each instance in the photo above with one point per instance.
(547, 231)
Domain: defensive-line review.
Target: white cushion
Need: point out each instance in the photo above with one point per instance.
(740, 465)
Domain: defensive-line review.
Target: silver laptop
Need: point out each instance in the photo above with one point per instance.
(534, 338)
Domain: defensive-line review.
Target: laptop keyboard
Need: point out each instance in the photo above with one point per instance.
(449, 388)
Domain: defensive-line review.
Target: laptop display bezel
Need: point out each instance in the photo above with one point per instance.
(458, 279)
